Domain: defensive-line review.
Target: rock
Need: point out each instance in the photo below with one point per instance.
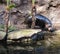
(47, 1)
(14, 10)
(17, 2)
(2, 34)
(22, 33)
(55, 2)
(54, 15)
(2, 7)
(40, 9)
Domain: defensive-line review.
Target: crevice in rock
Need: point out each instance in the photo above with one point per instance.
(51, 5)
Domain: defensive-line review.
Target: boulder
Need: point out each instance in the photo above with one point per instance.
(22, 33)
(2, 35)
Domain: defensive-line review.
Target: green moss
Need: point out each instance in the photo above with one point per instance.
(10, 28)
(12, 6)
(1, 27)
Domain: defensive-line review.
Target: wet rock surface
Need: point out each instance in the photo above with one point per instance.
(50, 45)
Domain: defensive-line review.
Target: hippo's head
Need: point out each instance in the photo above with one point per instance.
(49, 28)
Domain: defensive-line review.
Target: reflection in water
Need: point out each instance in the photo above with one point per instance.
(21, 48)
(30, 47)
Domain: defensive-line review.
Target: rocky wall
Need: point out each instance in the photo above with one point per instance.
(48, 8)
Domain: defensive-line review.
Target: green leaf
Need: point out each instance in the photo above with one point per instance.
(11, 6)
(1, 27)
(8, 2)
(33, 1)
(11, 28)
